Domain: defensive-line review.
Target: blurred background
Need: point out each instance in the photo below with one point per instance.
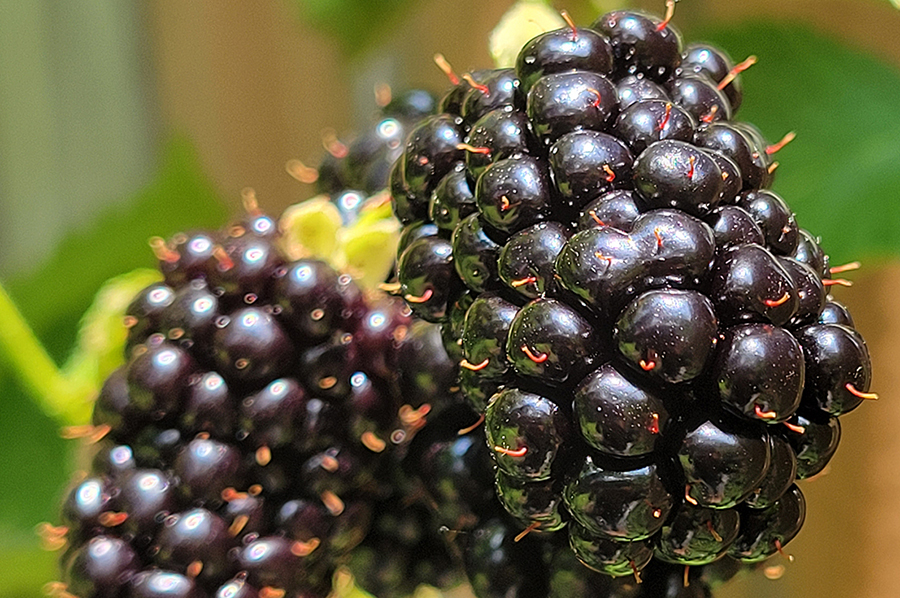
(122, 120)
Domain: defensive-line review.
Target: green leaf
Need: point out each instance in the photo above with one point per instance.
(24, 567)
(524, 20)
(840, 175)
(356, 24)
(310, 228)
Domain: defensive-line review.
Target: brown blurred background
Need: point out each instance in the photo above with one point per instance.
(89, 90)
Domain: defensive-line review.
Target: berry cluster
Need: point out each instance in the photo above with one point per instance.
(640, 319)
(239, 452)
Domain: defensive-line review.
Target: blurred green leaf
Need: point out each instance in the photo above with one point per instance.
(354, 23)
(25, 568)
(841, 174)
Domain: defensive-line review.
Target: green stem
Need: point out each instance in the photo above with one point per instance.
(30, 362)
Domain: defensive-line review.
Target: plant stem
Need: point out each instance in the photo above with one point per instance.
(34, 367)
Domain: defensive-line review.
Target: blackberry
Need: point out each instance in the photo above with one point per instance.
(639, 317)
(247, 436)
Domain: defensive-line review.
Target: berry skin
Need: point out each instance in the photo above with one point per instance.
(475, 254)
(667, 334)
(484, 335)
(98, 569)
(586, 164)
(724, 461)
(251, 346)
(564, 102)
(814, 439)
(428, 277)
(767, 531)
(639, 45)
(563, 50)
(672, 173)
(526, 431)
(634, 88)
(504, 134)
(619, 504)
(647, 121)
(750, 285)
(713, 63)
(617, 416)
(759, 372)
(525, 263)
(514, 193)
(616, 559)
(551, 341)
(838, 368)
(697, 536)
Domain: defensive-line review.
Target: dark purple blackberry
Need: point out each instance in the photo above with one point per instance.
(712, 62)
(586, 164)
(759, 372)
(647, 121)
(161, 583)
(195, 539)
(551, 341)
(616, 559)
(99, 568)
(814, 438)
(774, 218)
(636, 88)
(452, 200)
(616, 209)
(838, 369)
(641, 44)
(616, 415)
(617, 502)
(731, 141)
(475, 254)
(677, 322)
(783, 470)
(565, 49)
(526, 431)
(748, 284)
(484, 335)
(526, 261)
(675, 174)
(564, 102)
(724, 461)
(697, 536)
(667, 334)
(188, 256)
(766, 531)
(513, 194)
(431, 150)
(251, 346)
(428, 277)
(145, 312)
(733, 226)
(498, 89)
(158, 376)
(700, 98)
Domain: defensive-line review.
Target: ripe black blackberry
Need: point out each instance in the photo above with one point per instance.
(243, 445)
(638, 316)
